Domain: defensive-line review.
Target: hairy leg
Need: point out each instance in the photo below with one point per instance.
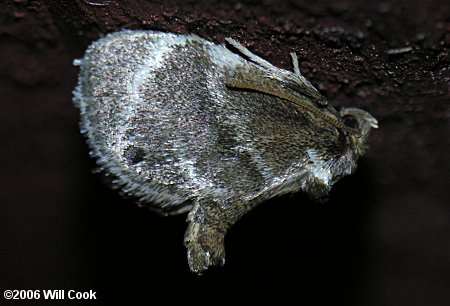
(204, 238)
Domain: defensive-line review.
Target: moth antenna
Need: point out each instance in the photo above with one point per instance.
(294, 100)
(287, 75)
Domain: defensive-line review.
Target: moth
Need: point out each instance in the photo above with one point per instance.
(186, 125)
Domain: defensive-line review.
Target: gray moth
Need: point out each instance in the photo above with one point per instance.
(185, 125)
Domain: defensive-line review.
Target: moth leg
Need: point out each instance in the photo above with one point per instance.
(205, 247)
(287, 81)
(204, 238)
(253, 57)
(295, 64)
(262, 62)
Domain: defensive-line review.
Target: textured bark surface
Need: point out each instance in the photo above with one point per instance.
(382, 239)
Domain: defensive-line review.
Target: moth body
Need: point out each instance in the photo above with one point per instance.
(183, 124)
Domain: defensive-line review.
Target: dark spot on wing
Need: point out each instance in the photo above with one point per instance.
(134, 155)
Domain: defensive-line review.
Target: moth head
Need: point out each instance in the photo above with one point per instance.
(360, 121)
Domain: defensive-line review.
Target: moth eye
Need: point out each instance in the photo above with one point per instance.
(350, 121)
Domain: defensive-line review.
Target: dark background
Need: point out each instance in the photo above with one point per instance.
(382, 239)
